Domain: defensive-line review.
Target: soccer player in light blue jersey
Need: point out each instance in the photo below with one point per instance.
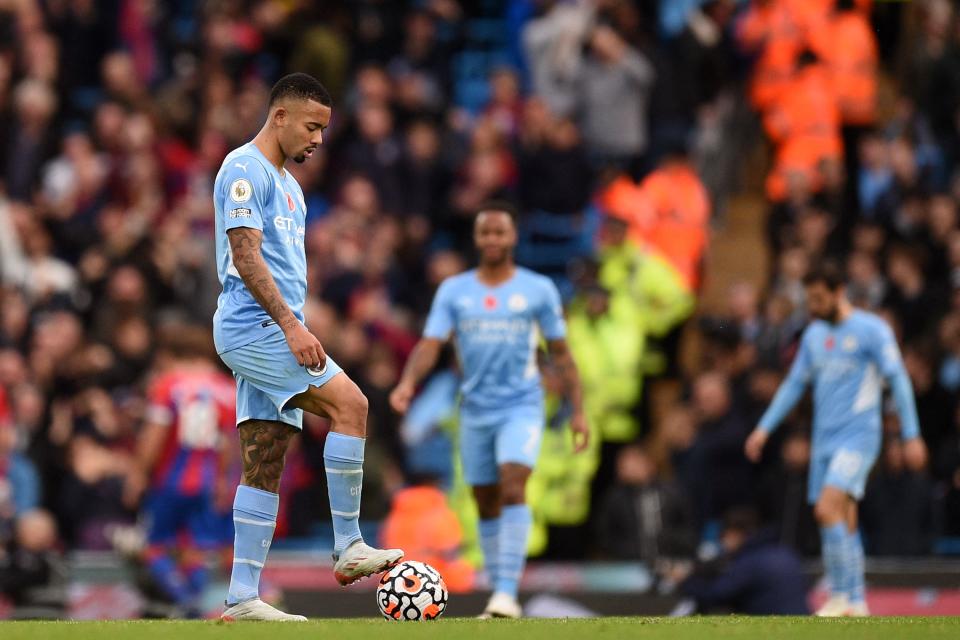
(845, 353)
(496, 315)
(281, 368)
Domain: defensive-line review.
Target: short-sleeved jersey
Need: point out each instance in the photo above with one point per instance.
(250, 192)
(198, 409)
(846, 364)
(496, 331)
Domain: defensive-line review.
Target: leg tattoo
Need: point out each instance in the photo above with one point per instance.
(263, 447)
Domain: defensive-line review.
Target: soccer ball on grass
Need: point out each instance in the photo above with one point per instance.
(412, 591)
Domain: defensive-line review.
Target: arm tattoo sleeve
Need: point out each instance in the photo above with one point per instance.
(567, 368)
(245, 249)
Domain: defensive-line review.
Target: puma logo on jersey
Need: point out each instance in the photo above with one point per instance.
(242, 166)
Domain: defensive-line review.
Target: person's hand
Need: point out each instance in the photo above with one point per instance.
(915, 453)
(581, 432)
(401, 396)
(305, 347)
(753, 448)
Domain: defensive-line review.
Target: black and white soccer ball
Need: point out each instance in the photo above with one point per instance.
(412, 591)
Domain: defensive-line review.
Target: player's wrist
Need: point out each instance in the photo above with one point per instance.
(289, 324)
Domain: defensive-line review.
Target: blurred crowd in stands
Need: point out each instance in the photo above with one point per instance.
(621, 127)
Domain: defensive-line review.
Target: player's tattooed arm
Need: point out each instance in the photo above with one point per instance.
(245, 249)
(562, 361)
(263, 446)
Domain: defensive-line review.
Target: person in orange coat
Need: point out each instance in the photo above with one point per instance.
(804, 125)
(668, 212)
(846, 43)
(773, 29)
(421, 519)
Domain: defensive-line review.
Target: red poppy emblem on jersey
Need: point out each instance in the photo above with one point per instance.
(490, 302)
(290, 204)
(829, 344)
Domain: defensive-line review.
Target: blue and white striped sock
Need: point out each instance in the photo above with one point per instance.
(515, 521)
(254, 519)
(490, 544)
(343, 460)
(834, 541)
(855, 568)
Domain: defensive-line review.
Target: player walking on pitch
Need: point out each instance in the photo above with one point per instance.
(844, 353)
(280, 367)
(494, 312)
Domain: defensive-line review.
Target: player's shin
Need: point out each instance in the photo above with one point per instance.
(490, 545)
(254, 520)
(834, 542)
(515, 522)
(343, 460)
(856, 568)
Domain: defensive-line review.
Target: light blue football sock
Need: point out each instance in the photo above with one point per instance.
(515, 521)
(254, 519)
(834, 540)
(855, 568)
(490, 545)
(343, 460)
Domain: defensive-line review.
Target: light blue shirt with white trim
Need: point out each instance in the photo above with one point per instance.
(496, 331)
(847, 364)
(250, 192)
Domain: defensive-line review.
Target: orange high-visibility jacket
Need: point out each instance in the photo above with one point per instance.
(847, 45)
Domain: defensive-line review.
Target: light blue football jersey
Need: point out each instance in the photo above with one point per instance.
(847, 363)
(496, 331)
(250, 192)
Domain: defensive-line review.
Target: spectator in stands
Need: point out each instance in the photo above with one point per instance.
(758, 576)
(423, 525)
(32, 572)
(642, 516)
(783, 497)
(720, 434)
(897, 508)
(669, 211)
(614, 87)
(946, 469)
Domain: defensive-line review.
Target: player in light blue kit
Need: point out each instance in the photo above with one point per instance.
(280, 367)
(497, 314)
(845, 353)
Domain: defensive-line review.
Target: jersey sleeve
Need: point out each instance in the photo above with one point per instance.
(792, 388)
(441, 320)
(886, 353)
(550, 313)
(245, 190)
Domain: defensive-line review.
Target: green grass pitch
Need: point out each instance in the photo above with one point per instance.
(700, 628)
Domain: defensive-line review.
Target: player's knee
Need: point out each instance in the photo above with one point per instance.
(351, 413)
(488, 501)
(827, 512)
(513, 490)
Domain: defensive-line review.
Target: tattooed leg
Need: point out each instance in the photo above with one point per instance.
(263, 447)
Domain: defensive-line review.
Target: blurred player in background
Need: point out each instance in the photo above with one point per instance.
(843, 353)
(280, 367)
(496, 314)
(184, 458)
